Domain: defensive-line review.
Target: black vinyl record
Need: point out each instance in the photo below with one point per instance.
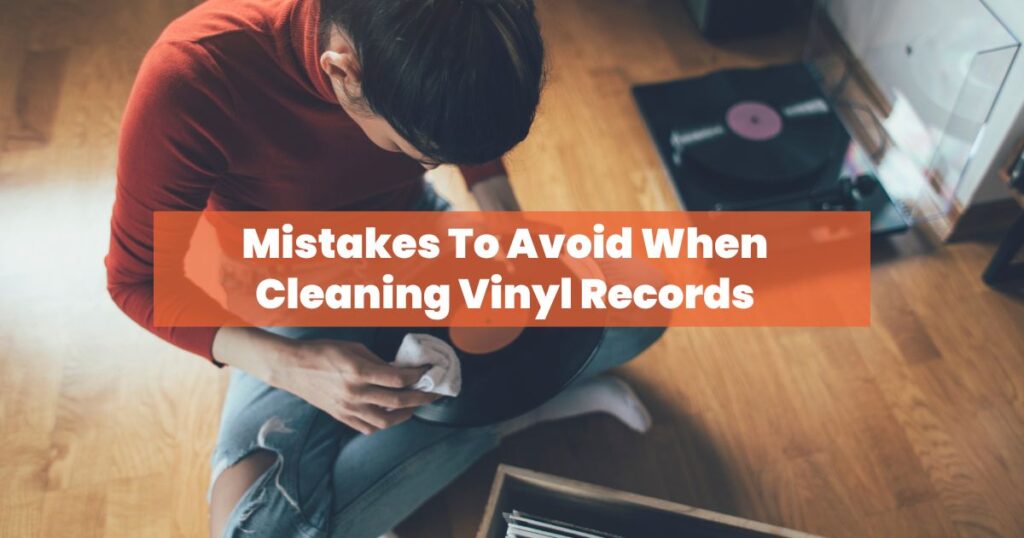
(760, 144)
(760, 129)
(518, 376)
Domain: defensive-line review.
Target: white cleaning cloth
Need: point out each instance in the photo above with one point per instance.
(445, 376)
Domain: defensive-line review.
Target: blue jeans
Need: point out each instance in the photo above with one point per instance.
(330, 480)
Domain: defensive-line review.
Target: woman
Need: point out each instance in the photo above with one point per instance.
(330, 105)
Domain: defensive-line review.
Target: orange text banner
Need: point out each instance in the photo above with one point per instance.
(512, 269)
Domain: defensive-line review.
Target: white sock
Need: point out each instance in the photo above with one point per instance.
(602, 394)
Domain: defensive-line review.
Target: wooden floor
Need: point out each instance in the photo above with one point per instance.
(914, 426)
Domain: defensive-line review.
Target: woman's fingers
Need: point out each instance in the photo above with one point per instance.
(359, 389)
(365, 367)
(384, 375)
(381, 418)
(356, 423)
(396, 399)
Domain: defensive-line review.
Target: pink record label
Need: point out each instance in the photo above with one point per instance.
(754, 120)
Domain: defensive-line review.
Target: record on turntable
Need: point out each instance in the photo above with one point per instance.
(758, 139)
(754, 127)
(761, 144)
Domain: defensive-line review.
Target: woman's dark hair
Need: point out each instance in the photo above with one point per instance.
(458, 79)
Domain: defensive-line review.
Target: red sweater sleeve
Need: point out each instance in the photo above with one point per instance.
(169, 158)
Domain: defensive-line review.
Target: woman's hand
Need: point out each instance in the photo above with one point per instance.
(344, 379)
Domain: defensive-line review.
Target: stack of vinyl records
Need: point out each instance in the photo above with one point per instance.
(523, 525)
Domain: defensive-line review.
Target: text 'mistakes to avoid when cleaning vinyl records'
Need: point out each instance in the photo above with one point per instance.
(512, 269)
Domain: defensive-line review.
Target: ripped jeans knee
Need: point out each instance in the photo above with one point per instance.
(258, 417)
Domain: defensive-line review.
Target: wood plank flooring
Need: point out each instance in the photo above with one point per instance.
(912, 427)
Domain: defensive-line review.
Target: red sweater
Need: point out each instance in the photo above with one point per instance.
(231, 111)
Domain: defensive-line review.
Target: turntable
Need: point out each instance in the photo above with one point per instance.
(759, 140)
